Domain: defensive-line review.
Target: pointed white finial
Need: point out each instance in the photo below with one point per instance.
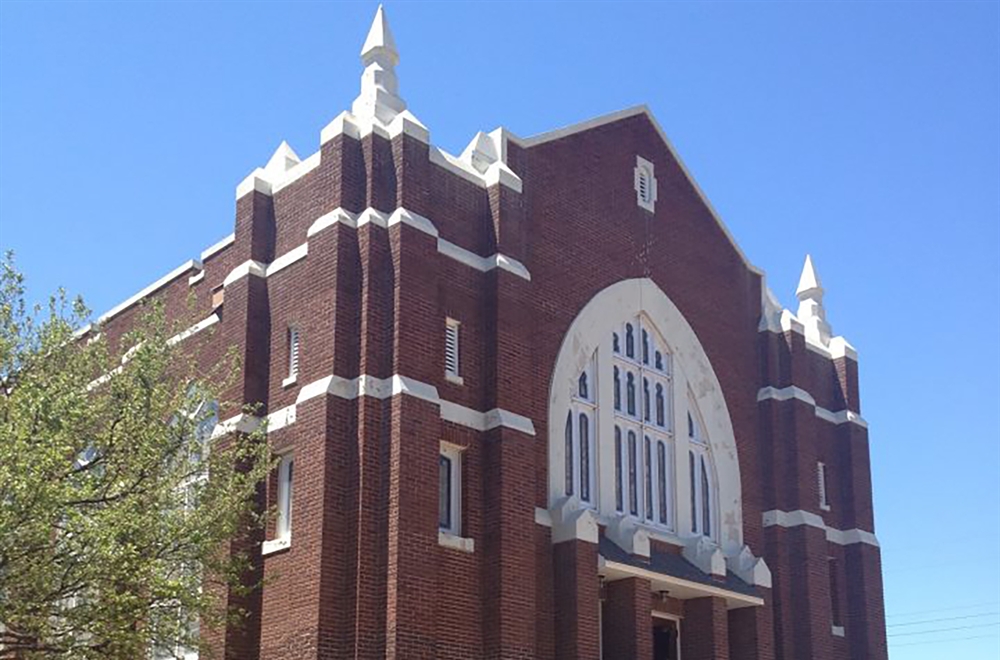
(809, 284)
(283, 159)
(379, 98)
(379, 40)
(811, 313)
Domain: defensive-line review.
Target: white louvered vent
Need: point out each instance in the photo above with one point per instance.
(451, 348)
(293, 353)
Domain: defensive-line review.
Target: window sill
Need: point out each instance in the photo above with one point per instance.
(291, 380)
(837, 631)
(276, 545)
(449, 540)
(824, 507)
(453, 378)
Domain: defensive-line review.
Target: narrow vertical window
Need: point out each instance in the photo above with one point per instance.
(629, 341)
(633, 487)
(619, 495)
(824, 503)
(584, 458)
(690, 426)
(694, 490)
(660, 406)
(293, 353)
(615, 346)
(645, 346)
(618, 389)
(569, 454)
(630, 393)
(450, 489)
(648, 482)
(659, 360)
(645, 399)
(285, 473)
(451, 354)
(582, 388)
(706, 499)
(834, 591)
(444, 492)
(661, 479)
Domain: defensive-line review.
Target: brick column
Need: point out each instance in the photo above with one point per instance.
(865, 621)
(705, 630)
(627, 620)
(751, 631)
(576, 596)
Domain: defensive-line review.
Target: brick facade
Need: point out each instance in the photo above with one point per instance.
(365, 574)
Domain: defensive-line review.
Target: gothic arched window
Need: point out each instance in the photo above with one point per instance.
(629, 341)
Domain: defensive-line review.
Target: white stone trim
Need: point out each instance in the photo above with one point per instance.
(624, 114)
(774, 318)
(779, 518)
(383, 388)
(204, 324)
(543, 517)
(483, 264)
(187, 266)
(461, 543)
(592, 328)
(246, 268)
(795, 392)
(218, 247)
(197, 277)
(276, 545)
(287, 259)
(837, 631)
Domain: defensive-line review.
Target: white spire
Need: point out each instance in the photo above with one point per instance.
(809, 282)
(811, 313)
(379, 98)
(379, 39)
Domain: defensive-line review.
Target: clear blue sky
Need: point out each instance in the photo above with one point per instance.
(865, 133)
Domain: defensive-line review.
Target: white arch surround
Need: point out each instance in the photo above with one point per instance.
(592, 329)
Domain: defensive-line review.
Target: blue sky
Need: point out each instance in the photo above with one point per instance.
(865, 133)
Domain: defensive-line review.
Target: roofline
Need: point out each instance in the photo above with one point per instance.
(634, 111)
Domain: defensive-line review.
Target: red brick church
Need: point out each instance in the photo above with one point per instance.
(532, 401)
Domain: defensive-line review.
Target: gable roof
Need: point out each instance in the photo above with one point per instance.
(627, 113)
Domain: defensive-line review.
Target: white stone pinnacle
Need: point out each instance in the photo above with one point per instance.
(379, 98)
(811, 313)
(379, 39)
(809, 283)
(283, 159)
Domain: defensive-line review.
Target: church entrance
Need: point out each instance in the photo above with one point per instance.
(665, 639)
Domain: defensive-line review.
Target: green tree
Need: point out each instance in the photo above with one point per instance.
(114, 541)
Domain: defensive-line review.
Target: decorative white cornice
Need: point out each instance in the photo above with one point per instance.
(793, 392)
(251, 267)
(483, 264)
(384, 388)
(186, 267)
(779, 518)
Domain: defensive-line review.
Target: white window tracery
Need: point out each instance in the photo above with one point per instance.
(642, 462)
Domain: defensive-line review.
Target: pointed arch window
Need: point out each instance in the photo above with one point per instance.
(618, 389)
(645, 400)
(629, 341)
(583, 389)
(633, 471)
(660, 405)
(584, 457)
(619, 495)
(702, 481)
(615, 345)
(645, 346)
(569, 454)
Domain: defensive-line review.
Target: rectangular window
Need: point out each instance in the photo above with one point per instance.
(834, 591)
(824, 503)
(450, 489)
(293, 353)
(286, 466)
(451, 363)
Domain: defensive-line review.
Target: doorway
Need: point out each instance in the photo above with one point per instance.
(665, 639)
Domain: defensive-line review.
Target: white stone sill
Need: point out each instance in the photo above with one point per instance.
(452, 378)
(837, 631)
(456, 542)
(291, 380)
(276, 545)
